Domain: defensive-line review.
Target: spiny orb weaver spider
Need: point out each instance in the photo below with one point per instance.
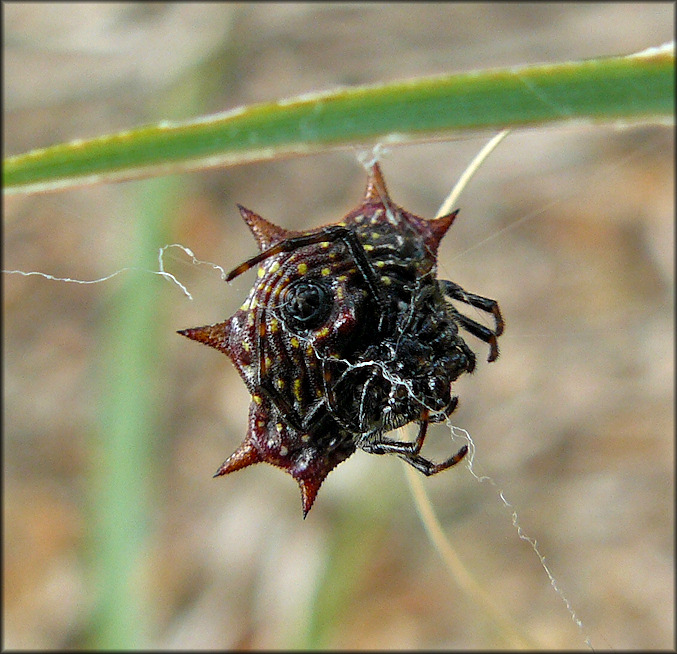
(346, 335)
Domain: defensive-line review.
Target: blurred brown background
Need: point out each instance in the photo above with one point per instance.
(570, 229)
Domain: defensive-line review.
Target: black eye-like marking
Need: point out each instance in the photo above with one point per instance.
(306, 304)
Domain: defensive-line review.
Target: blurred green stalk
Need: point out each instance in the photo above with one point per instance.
(124, 466)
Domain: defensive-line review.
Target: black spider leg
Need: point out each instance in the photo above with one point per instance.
(313, 419)
(455, 292)
(418, 296)
(409, 451)
(375, 372)
(331, 233)
(284, 408)
(331, 399)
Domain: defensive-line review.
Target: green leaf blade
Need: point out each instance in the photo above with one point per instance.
(636, 87)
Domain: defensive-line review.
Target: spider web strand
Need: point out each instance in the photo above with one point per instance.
(161, 271)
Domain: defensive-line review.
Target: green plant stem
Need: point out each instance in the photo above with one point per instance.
(508, 628)
(123, 466)
(606, 89)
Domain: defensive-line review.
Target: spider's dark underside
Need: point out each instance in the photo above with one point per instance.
(346, 335)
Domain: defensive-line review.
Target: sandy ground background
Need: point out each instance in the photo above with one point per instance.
(571, 229)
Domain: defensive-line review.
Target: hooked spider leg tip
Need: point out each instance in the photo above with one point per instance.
(493, 348)
(500, 325)
(237, 272)
(250, 263)
(457, 458)
(243, 267)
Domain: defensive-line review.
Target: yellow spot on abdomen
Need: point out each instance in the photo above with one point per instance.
(322, 333)
(302, 268)
(297, 390)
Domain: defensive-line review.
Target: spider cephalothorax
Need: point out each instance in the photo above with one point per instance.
(346, 335)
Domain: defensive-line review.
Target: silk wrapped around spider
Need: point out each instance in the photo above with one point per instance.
(348, 334)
